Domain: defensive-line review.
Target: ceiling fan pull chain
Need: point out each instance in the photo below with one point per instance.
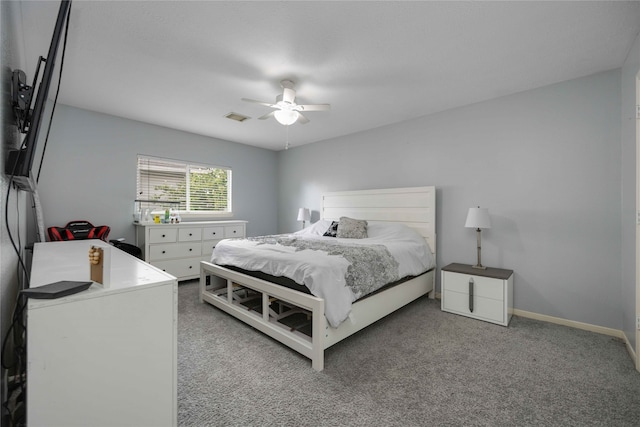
(286, 145)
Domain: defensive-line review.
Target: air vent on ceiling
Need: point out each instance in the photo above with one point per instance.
(237, 117)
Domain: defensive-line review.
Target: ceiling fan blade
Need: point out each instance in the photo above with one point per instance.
(266, 104)
(314, 107)
(302, 119)
(266, 116)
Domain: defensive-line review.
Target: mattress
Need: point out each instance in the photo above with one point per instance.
(288, 283)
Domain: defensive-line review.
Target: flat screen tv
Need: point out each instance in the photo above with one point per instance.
(20, 162)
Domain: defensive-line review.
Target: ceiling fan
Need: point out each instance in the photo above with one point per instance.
(287, 112)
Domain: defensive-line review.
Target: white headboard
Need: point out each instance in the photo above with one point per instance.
(413, 206)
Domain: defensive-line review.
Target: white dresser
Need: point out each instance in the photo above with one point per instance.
(179, 248)
(481, 294)
(103, 356)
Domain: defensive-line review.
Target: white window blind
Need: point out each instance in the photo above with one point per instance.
(197, 188)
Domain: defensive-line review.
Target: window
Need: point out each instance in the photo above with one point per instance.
(198, 188)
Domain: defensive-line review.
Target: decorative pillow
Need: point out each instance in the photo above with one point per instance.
(315, 229)
(333, 230)
(350, 228)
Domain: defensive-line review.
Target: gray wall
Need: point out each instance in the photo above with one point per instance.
(546, 163)
(89, 171)
(629, 192)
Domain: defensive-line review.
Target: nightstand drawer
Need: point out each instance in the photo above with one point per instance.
(483, 308)
(483, 287)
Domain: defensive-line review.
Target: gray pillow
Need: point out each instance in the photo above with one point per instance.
(350, 228)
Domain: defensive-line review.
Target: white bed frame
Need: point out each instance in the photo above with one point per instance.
(414, 207)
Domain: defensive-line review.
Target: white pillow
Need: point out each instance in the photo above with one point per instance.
(316, 229)
(390, 230)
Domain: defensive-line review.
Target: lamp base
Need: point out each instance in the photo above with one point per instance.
(479, 265)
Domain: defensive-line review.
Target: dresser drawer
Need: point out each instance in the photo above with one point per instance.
(181, 268)
(177, 250)
(162, 235)
(231, 231)
(213, 233)
(207, 248)
(189, 234)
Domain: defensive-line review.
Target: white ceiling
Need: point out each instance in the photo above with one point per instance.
(184, 64)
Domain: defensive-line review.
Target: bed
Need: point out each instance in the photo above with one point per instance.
(297, 318)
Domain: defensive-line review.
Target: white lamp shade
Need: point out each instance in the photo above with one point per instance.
(478, 218)
(286, 117)
(304, 214)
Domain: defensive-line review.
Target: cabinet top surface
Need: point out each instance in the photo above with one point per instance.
(191, 223)
(496, 273)
(55, 261)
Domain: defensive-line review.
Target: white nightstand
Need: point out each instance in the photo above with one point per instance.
(481, 294)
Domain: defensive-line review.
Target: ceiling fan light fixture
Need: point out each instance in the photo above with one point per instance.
(286, 117)
(286, 111)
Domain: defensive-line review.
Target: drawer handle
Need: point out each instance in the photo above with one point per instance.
(234, 231)
(190, 234)
(191, 266)
(214, 233)
(471, 294)
(190, 249)
(164, 235)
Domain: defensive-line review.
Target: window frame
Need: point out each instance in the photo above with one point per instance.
(158, 207)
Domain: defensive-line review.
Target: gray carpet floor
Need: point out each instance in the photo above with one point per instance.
(417, 367)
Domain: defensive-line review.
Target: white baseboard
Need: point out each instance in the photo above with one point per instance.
(585, 326)
(572, 323)
(632, 353)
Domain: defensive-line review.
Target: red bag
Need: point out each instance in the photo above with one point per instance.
(78, 230)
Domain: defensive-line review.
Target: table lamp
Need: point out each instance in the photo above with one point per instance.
(478, 218)
(304, 215)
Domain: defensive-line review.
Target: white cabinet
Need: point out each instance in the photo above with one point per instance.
(179, 248)
(106, 356)
(481, 294)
